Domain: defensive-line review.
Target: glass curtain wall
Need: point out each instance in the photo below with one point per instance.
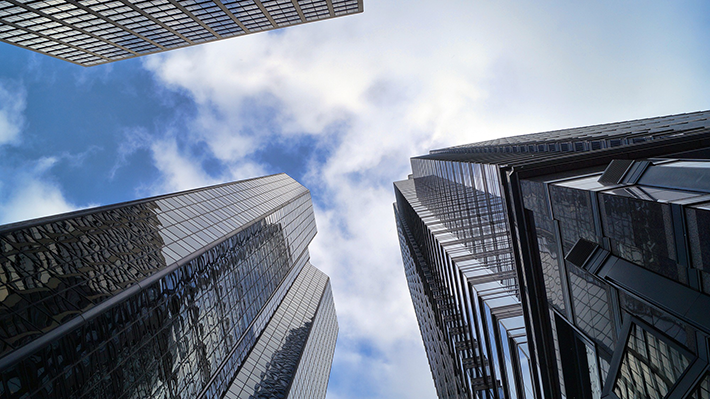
(157, 298)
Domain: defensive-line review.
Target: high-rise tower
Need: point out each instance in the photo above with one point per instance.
(92, 32)
(571, 263)
(206, 293)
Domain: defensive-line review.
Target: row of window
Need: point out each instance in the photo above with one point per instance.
(128, 29)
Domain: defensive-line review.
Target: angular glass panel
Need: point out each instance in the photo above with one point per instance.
(641, 232)
(649, 366)
(592, 312)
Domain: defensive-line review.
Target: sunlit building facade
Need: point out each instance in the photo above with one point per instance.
(92, 32)
(605, 229)
(206, 293)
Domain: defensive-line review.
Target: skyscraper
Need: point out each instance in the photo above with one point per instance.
(570, 263)
(92, 32)
(206, 293)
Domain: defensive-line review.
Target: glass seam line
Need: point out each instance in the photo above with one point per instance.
(323, 323)
(83, 318)
(236, 346)
(315, 314)
(228, 356)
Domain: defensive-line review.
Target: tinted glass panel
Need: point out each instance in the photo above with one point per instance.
(641, 232)
(649, 367)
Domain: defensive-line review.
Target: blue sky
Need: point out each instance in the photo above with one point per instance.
(341, 105)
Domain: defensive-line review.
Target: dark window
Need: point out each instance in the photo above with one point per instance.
(535, 198)
(642, 233)
(592, 313)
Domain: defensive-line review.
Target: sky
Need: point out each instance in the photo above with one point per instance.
(341, 105)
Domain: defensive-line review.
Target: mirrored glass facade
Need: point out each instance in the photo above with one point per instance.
(162, 298)
(92, 32)
(458, 258)
(604, 228)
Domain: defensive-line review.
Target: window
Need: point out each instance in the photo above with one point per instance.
(650, 365)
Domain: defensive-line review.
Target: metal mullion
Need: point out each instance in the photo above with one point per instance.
(298, 10)
(46, 37)
(154, 20)
(689, 381)
(232, 16)
(191, 15)
(330, 7)
(266, 13)
(74, 28)
(116, 24)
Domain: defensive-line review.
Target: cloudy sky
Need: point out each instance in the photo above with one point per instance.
(341, 105)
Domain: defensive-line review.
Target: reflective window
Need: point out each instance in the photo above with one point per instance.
(536, 199)
(573, 209)
(649, 366)
(667, 324)
(98, 31)
(592, 313)
(270, 369)
(641, 232)
(526, 365)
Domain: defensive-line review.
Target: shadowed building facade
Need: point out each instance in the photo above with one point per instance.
(572, 263)
(206, 293)
(92, 32)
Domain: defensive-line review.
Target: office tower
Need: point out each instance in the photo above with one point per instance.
(92, 32)
(206, 293)
(606, 231)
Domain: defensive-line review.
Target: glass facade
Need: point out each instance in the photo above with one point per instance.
(157, 298)
(311, 379)
(270, 369)
(92, 32)
(432, 324)
(605, 228)
(457, 251)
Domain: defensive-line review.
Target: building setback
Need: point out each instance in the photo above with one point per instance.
(92, 32)
(564, 264)
(206, 293)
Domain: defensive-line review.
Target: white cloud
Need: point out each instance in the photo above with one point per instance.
(179, 172)
(12, 105)
(25, 190)
(401, 79)
(179, 168)
(29, 193)
(33, 199)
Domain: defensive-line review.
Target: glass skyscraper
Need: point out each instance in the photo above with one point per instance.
(564, 264)
(206, 293)
(92, 32)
